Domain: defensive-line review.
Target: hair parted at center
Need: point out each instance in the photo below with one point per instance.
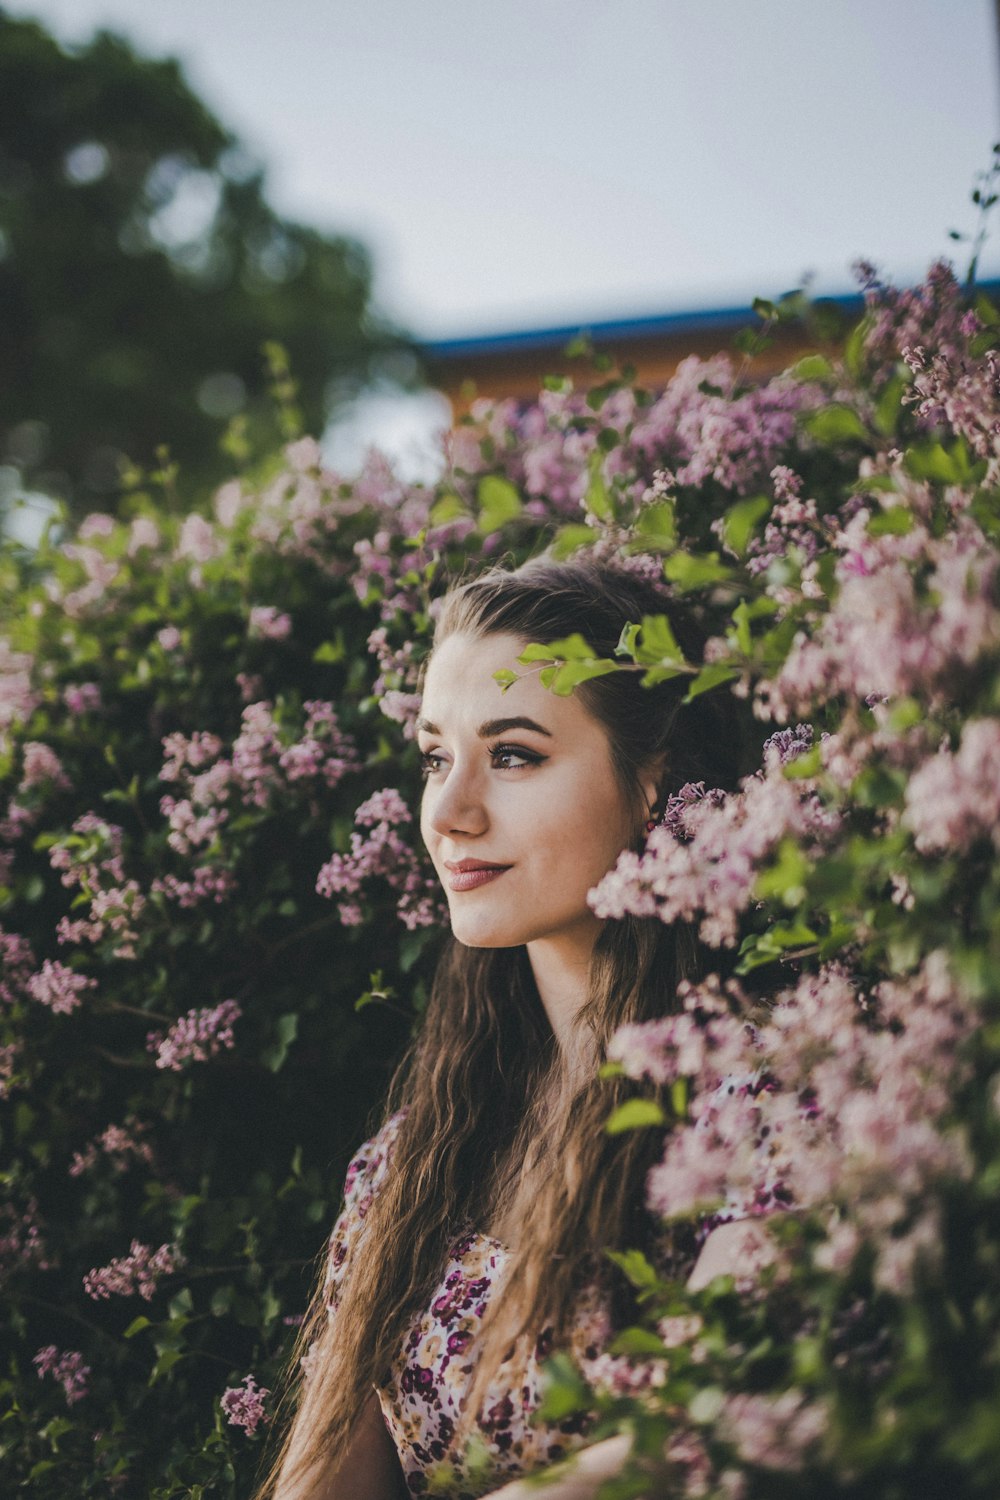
(478, 1092)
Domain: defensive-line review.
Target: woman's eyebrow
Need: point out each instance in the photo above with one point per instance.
(501, 726)
(493, 726)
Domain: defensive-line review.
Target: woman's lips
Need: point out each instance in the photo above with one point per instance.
(467, 874)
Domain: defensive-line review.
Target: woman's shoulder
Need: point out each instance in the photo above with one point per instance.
(365, 1173)
(369, 1164)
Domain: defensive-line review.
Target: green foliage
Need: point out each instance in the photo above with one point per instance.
(130, 322)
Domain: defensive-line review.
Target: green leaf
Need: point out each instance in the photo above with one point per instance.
(165, 1363)
(329, 652)
(505, 677)
(656, 645)
(448, 508)
(286, 1029)
(740, 519)
(563, 679)
(890, 405)
(563, 1391)
(656, 524)
(710, 677)
(834, 424)
(569, 539)
(741, 628)
(812, 367)
(499, 504)
(136, 1326)
(895, 520)
(637, 1269)
(597, 500)
(690, 570)
(634, 1114)
(638, 1342)
(569, 648)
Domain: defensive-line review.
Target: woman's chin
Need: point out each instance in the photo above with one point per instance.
(483, 934)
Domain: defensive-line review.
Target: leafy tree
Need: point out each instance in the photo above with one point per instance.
(142, 270)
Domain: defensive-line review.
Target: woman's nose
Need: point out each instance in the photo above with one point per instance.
(456, 805)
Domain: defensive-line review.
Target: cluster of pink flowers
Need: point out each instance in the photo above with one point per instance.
(700, 430)
(703, 861)
(269, 624)
(953, 798)
(395, 685)
(18, 698)
(67, 1367)
(22, 1242)
(58, 988)
(243, 1405)
(384, 854)
(119, 1145)
(94, 595)
(912, 613)
(82, 698)
(42, 767)
(136, 1274)
(90, 857)
(198, 1036)
(838, 1103)
(17, 963)
(774, 1432)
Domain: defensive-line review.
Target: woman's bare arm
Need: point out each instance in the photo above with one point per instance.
(585, 1472)
(369, 1470)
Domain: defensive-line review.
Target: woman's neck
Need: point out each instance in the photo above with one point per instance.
(561, 969)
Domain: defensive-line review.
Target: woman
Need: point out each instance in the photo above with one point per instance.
(492, 1165)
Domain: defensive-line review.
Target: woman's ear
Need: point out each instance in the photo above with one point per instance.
(651, 782)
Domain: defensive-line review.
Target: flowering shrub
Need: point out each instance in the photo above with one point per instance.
(207, 789)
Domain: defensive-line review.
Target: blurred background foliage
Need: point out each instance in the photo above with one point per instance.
(142, 270)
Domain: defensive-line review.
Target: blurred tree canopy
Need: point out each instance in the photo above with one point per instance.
(142, 271)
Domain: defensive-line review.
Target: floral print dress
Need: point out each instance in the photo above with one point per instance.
(426, 1384)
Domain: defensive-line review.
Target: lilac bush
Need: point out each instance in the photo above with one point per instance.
(208, 787)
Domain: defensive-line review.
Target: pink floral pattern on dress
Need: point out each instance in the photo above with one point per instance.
(426, 1384)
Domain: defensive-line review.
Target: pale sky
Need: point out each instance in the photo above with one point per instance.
(533, 162)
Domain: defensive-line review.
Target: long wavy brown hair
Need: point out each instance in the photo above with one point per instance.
(487, 1105)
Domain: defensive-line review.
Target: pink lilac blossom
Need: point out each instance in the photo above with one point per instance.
(199, 1035)
(243, 1405)
(953, 798)
(774, 1432)
(208, 883)
(17, 964)
(100, 573)
(58, 988)
(18, 699)
(197, 540)
(82, 698)
(712, 876)
(67, 1368)
(10, 1052)
(169, 638)
(91, 858)
(839, 1101)
(888, 634)
(268, 624)
(41, 766)
(143, 532)
(119, 1145)
(22, 1244)
(135, 1274)
(384, 854)
(98, 523)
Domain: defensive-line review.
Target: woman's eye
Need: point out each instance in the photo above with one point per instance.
(430, 762)
(513, 757)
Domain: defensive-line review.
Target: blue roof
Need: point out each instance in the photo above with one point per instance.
(659, 325)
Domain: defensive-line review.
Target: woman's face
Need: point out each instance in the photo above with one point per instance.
(522, 812)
